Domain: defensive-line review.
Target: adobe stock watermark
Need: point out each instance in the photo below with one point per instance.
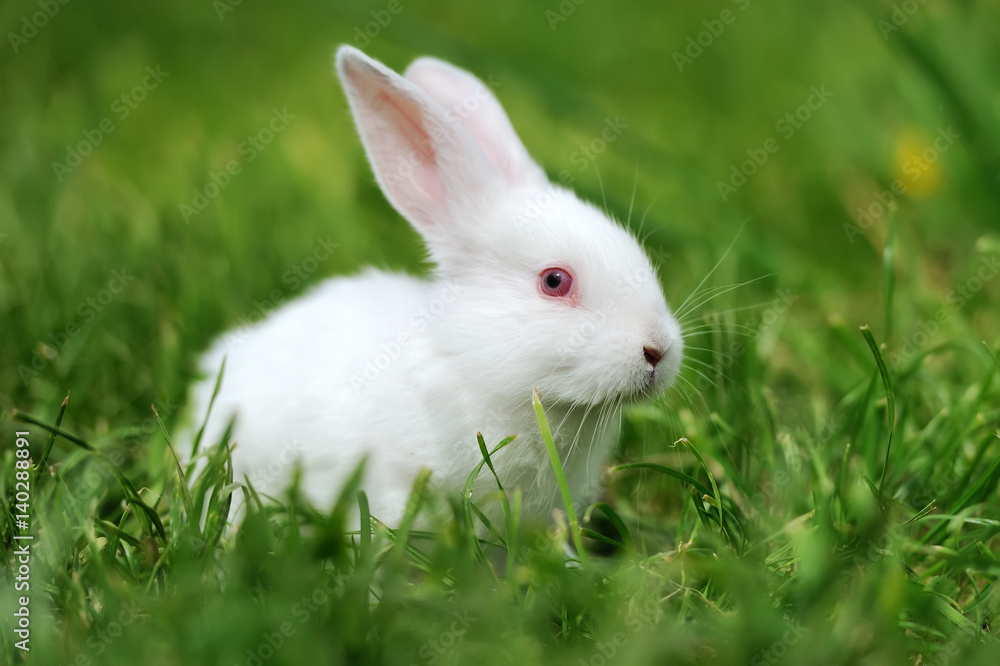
(956, 299)
(900, 16)
(875, 550)
(223, 7)
(454, 114)
(795, 463)
(942, 657)
(122, 107)
(20, 511)
(939, 488)
(777, 651)
(98, 476)
(635, 620)
(435, 648)
(416, 325)
(757, 325)
(381, 18)
(264, 477)
(585, 155)
(100, 640)
(162, 408)
(714, 28)
(583, 332)
(562, 12)
(294, 277)
(31, 25)
(249, 149)
(88, 311)
(914, 168)
(470, 104)
(424, 152)
(786, 126)
(303, 610)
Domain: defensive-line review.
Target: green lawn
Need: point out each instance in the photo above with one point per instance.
(811, 493)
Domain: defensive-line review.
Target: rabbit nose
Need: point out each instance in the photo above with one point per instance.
(652, 354)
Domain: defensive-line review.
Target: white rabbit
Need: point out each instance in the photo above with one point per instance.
(531, 288)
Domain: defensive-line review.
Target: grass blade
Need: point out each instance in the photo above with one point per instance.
(618, 523)
(185, 491)
(890, 404)
(18, 415)
(557, 468)
(40, 465)
(215, 392)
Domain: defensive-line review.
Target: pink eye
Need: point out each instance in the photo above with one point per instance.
(555, 282)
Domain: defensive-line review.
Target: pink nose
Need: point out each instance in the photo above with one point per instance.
(652, 355)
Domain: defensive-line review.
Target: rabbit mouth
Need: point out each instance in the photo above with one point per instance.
(646, 387)
(654, 383)
(649, 385)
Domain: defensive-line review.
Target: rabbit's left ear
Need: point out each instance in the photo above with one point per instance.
(469, 102)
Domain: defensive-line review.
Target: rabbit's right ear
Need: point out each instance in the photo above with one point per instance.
(428, 168)
(470, 102)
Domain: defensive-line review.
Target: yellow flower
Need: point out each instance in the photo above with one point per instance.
(918, 158)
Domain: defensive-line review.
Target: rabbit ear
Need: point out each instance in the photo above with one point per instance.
(428, 168)
(468, 101)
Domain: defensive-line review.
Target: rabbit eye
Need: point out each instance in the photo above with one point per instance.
(555, 282)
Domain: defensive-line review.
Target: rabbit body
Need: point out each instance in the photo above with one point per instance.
(397, 406)
(532, 289)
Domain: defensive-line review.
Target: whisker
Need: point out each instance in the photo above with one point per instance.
(707, 350)
(745, 307)
(711, 292)
(719, 291)
(704, 364)
(689, 388)
(704, 376)
(718, 263)
(705, 329)
(604, 197)
(631, 203)
(714, 314)
(642, 220)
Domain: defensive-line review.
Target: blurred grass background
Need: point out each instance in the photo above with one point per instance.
(563, 69)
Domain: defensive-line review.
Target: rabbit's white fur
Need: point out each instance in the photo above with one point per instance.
(406, 371)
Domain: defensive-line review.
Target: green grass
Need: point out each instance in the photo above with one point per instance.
(811, 492)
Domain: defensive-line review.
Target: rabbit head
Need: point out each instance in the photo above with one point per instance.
(545, 290)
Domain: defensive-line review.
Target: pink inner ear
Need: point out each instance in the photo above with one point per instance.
(426, 165)
(471, 104)
(414, 158)
(481, 123)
